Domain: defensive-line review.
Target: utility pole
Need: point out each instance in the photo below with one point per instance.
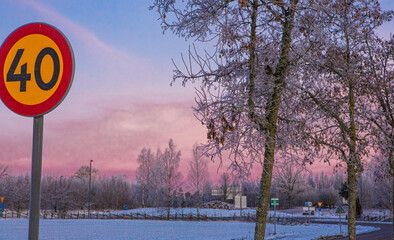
(90, 183)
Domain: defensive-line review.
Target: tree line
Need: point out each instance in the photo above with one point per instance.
(160, 183)
(62, 194)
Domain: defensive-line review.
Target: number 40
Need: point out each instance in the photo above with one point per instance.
(23, 77)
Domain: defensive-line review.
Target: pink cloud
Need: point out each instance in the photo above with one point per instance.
(113, 138)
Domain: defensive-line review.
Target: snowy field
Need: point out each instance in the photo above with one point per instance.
(15, 229)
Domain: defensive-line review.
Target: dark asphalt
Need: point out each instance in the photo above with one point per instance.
(383, 234)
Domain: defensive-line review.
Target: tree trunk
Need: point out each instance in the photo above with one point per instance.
(265, 186)
(391, 163)
(392, 205)
(352, 202)
(354, 163)
(169, 203)
(271, 122)
(143, 196)
(198, 205)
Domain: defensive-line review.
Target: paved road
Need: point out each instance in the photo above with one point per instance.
(383, 234)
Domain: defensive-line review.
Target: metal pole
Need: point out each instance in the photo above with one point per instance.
(90, 182)
(275, 219)
(340, 224)
(35, 185)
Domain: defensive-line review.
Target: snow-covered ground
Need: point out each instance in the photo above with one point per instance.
(15, 229)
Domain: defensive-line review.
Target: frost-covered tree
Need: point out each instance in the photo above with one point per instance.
(145, 176)
(379, 79)
(57, 193)
(251, 189)
(198, 174)
(329, 196)
(17, 192)
(256, 48)
(170, 174)
(365, 187)
(225, 185)
(113, 193)
(325, 181)
(289, 181)
(333, 83)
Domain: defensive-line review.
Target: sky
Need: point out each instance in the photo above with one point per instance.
(121, 99)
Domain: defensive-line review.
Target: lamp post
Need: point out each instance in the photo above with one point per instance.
(90, 183)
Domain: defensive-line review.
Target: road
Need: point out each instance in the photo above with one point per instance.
(383, 234)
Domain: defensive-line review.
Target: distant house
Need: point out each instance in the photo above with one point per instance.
(217, 192)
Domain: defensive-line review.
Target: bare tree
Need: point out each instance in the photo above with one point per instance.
(144, 176)
(56, 194)
(381, 174)
(17, 192)
(4, 171)
(379, 78)
(113, 192)
(329, 196)
(379, 71)
(225, 185)
(170, 175)
(198, 174)
(288, 179)
(365, 187)
(337, 99)
(257, 45)
(325, 181)
(84, 171)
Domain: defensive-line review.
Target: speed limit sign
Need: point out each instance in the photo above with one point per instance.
(36, 69)
(36, 72)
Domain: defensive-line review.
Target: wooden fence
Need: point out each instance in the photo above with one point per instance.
(282, 219)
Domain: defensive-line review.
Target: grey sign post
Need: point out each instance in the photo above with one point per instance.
(340, 210)
(35, 186)
(309, 204)
(274, 202)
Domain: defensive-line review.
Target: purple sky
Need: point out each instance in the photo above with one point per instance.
(120, 100)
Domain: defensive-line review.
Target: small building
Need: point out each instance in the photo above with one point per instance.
(217, 192)
(234, 195)
(240, 202)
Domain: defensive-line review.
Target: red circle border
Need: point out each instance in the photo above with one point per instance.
(68, 69)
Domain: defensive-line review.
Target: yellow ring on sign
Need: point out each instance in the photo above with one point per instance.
(33, 44)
